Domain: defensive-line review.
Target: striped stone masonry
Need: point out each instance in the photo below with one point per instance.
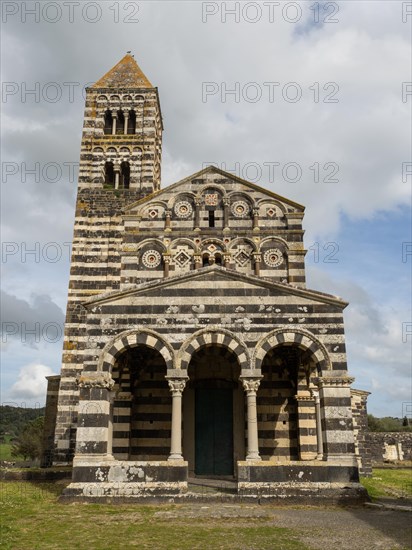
(192, 345)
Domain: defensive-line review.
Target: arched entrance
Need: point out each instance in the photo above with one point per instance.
(213, 412)
(285, 405)
(141, 411)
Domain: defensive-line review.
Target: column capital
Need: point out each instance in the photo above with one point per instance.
(95, 380)
(176, 385)
(251, 384)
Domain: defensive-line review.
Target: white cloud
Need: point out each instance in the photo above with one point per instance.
(31, 383)
(367, 133)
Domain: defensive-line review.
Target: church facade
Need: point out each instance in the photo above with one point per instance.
(192, 346)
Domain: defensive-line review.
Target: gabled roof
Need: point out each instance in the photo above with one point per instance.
(126, 74)
(209, 273)
(216, 170)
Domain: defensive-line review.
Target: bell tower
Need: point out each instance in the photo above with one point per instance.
(122, 133)
(119, 165)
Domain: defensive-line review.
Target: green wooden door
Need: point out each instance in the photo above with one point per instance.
(214, 431)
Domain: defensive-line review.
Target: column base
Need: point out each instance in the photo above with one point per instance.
(175, 456)
(253, 456)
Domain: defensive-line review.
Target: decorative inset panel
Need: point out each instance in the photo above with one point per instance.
(273, 257)
(211, 199)
(151, 259)
(242, 258)
(153, 213)
(240, 209)
(183, 209)
(182, 258)
(271, 212)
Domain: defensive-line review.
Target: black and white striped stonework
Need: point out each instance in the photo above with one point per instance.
(200, 285)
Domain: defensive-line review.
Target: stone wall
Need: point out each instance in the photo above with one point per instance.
(360, 431)
(390, 446)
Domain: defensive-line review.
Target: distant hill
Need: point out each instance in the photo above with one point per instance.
(13, 419)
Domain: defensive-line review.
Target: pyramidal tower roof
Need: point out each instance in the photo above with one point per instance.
(126, 74)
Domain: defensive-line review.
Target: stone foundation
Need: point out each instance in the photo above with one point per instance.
(125, 479)
(296, 472)
(294, 482)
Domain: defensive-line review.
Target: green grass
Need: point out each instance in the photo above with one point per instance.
(5, 450)
(389, 483)
(33, 519)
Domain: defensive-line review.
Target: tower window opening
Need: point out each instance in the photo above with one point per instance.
(131, 126)
(205, 260)
(125, 175)
(211, 218)
(108, 122)
(120, 123)
(109, 174)
(218, 259)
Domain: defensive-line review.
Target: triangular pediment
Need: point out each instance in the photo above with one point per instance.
(204, 177)
(209, 275)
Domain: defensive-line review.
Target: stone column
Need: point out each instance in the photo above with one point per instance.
(198, 203)
(255, 218)
(257, 259)
(126, 121)
(225, 213)
(114, 123)
(168, 215)
(198, 261)
(93, 425)
(166, 262)
(116, 179)
(176, 386)
(319, 440)
(251, 385)
(226, 260)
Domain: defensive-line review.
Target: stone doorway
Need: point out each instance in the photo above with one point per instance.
(213, 413)
(213, 431)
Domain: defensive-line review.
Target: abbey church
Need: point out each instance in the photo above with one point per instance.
(192, 347)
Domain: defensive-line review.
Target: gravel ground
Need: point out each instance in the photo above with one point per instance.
(352, 528)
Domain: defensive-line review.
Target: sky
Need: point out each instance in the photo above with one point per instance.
(310, 100)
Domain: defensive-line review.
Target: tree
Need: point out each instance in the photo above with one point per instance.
(405, 421)
(29, 443)
(373, 423)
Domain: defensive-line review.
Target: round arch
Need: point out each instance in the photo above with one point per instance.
(131, 339)
(272, 201)
(216, 186)
(238, 240)
(242, 194)
(279, 239)
(210, 336)
(183, 240)
(151, 242)
(175, 198)
(212, 240)
(144, 211)
(299, 337)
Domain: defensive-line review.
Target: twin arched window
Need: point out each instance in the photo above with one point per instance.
(119, 180)
(120, 127)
